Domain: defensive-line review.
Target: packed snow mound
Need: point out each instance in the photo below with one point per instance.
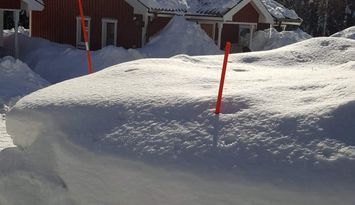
(17, 80)
(262, 40)
(187, 38)
(163, 109)
(347, 33)
(287, 122)
(278, 10)
(314, 52)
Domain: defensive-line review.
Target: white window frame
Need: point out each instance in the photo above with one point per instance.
(79, 43)
(104, 23)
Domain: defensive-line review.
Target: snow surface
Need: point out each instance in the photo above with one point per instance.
(278, 10)
(347, 33)
(262, 40)
(287, 116)
(188, 38)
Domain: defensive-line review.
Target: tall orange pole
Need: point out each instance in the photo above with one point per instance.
(223, 76)
(86, 39)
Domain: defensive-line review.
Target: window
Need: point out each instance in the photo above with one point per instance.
(80, 41)
(109, 32)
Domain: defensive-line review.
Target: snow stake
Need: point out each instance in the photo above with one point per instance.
(223, 76)
(83, 28)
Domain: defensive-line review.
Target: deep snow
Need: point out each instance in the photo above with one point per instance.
(287, 123)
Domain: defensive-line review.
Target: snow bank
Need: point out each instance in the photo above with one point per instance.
(287, 114)
(188, 38)
(262, 40)
(17, 80)
(125, 109)
(278, 10)
(347, 33)
(314, 52)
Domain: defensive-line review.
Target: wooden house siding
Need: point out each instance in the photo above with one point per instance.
(10, 4)
(156, 24)
(247, 14)
(57, 22)
(230, 32)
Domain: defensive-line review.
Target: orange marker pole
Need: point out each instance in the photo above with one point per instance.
(223, 76)
(86, 39)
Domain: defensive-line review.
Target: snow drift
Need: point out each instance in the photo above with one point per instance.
(188, 38)
(263, 41)
(347, 33)
(122, 109)
(287, 116)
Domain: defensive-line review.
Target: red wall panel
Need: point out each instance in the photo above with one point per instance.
(10, 4)
(247, 14)
(230, 32)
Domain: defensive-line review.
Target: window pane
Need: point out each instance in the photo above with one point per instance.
(110, 34)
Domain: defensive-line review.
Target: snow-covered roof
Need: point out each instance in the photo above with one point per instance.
(278, 10)
(213, 7)
(35, 5)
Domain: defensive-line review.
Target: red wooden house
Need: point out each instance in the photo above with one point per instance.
(132, 23)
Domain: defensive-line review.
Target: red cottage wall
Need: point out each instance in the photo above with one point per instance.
(57, 22)
(230, 32)
(10, 4)
(247, 14)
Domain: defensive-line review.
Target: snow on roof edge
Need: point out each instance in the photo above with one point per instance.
(35, 5)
